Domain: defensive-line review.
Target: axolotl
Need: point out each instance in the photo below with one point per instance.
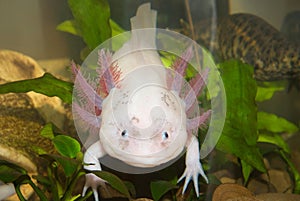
(140, 113)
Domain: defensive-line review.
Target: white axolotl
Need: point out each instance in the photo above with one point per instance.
(138, 109)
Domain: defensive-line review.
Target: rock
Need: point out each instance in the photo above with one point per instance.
(230, 192)
(225, 176)
(60, 67)
(293, 142)
(275, 181)
(15, 66)
(227, 180)
(280, 179)
(23, 115)
(257, 186)
(243, 198)
(20, 125)
(279, 197)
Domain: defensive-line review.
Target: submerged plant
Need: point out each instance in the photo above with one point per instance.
(245, 126)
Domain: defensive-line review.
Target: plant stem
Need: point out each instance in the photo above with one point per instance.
(293, 170)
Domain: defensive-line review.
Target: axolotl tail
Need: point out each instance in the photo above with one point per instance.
(141, 49)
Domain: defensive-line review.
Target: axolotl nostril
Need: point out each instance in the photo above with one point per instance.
(138, 110)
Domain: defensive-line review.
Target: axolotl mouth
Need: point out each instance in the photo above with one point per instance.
(156, 150)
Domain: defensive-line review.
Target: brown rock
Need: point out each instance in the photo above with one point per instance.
(258, 186)
(225, 192)
(23, 115)
(15, 66)
(280, 179)
(275, 181)
(243, 198)
(279, 197)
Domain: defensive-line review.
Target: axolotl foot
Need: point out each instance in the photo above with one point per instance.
(193, 165)
(93, 181)
(192, 172)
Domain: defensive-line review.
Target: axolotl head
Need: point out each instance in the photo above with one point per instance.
(143, 127)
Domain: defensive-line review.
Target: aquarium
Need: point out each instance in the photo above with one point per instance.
(150, 100)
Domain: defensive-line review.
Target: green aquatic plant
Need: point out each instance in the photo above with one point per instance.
(64, 169)
(245, 127)
(91, 22)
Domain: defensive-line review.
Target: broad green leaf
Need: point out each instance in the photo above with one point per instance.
(240, 133)
(246, 169)
(69, 165)
(131, 188)
(84, 53)
(238, 147)
(273, 123)
(92, 18)
(240, 90)
(10, 172)
(47, 131)
(115, 28)
(267, 92)
(114, 181)
(69, 26)
(276, 139)
(47, 85)
(159, 188)
(66, 145)
(212, 83)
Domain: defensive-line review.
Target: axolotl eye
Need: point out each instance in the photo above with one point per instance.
(165, 135)
(124, 133)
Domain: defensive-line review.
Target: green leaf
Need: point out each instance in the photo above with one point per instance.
(240, 133)
(92, 16)
(294, 171)
(115, 28)
(47, 85)
(69, 165)
(266, 93)
(66, 145)
(69, 26)
(273, 123)
(47, 131)
(239, 147)
(276, 139)
(38, 150)
(131, 188)
(10, 172)
(114, 181)
(246, 169)
(159, 188)
(84, 53)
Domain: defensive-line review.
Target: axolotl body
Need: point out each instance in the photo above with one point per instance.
(142, 119)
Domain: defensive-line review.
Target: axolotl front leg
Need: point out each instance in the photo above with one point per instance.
(193, 165)
(91, 163)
